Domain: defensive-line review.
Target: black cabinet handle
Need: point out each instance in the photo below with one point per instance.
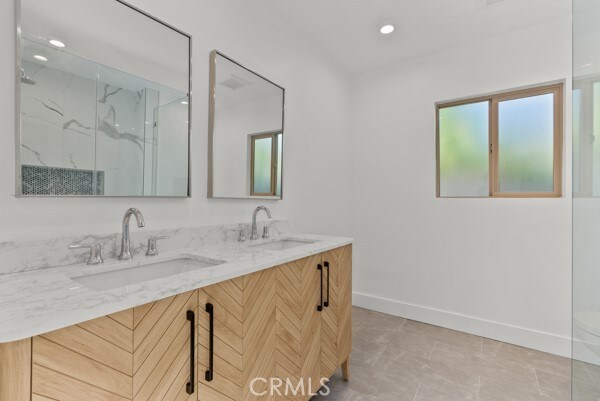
(191, 317)
(326, 303)
(320, 306)
(211, 342)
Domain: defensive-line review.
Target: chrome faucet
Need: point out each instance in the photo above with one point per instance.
(254, 234)
(125, 240)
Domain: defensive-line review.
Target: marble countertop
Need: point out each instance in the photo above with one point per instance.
(37, 302)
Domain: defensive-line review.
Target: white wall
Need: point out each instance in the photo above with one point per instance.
(318, 145)
(495, 267)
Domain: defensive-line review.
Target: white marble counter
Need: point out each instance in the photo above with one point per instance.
(36, 302)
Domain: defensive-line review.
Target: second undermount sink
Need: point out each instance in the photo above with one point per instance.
(282, 244)
(143, 272)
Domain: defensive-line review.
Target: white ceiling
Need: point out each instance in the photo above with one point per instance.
(256, 88)
(349, 29)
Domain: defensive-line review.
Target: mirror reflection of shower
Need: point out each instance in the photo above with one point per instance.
(98, 130)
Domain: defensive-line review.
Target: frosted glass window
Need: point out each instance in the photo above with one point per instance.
(463, 150)
(279, 163)
(505, 145)
(526, 144)
(262, 159)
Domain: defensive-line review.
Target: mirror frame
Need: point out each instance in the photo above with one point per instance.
(18, 136)
(211, 125)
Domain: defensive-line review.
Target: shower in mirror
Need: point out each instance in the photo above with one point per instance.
(103, 112)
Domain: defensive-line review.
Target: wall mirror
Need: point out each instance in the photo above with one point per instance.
(103, 101)
(245, 132)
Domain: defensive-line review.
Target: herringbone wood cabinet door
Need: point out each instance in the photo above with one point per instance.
(343, 258)
(91, 361)
(329, 324)
(298, 342)
(161, 349)
(259, 333)
(141, 354)
(336, 333)
(227, 299)
(244, 337)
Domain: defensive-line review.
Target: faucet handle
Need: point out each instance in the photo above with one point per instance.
(243, 236)
(152, 250)
(95, 252)
(266, 234)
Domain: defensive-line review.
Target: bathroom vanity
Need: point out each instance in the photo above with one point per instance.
(203, 314)
(274, 309)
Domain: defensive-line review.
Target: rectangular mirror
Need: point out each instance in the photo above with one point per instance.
(103, 101)
(245, 134)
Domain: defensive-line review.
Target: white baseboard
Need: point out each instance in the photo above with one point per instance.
(534, 339)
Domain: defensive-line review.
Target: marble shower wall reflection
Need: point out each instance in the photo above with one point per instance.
(58, 115)
(103, 112)
(73, 121)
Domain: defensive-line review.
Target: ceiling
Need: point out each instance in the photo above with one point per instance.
(253, 87)
(349, 29)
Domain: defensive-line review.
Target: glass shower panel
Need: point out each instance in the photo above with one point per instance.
(150, 140)
(171, 148)
(120, 138)
(586, 201)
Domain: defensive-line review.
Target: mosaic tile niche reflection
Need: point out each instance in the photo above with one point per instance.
(42, 180)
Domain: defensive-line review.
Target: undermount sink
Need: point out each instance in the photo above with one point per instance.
(282, 244)
(143, 272)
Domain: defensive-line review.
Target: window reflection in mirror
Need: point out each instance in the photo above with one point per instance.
(265, 164)
(246, 136)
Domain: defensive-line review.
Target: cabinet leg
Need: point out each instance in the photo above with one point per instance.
(346, 370)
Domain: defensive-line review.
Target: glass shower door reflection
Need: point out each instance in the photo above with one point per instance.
(586, 202)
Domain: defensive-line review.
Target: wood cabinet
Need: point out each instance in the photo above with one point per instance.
(138, 354)
(314, 329)
(225, 342)
(243, 336)
(164, 348)
(337, 317)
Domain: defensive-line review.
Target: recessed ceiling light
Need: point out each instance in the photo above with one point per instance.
(184, 102)
(116, 125)
(387, 29)
(41, 58)
(56, 43)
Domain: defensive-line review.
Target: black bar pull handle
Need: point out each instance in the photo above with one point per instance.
(326, 303)
(211, 342)
(320, 306)
(191, 317)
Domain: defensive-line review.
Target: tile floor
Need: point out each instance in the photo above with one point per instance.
(396, 359)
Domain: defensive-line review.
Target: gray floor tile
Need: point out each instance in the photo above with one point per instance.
(394, 359)
(494, 390)
(555, 386)
(447, 336)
